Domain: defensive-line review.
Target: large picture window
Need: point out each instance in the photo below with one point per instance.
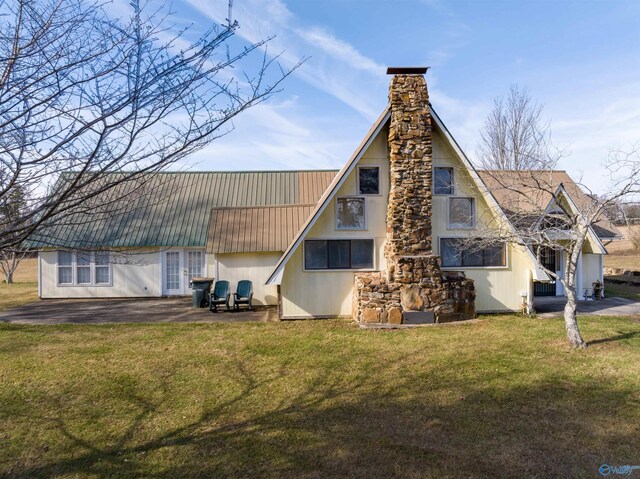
(442, 181)
(462, 212)
(368, 180)
(456, 252)
(350, 213)
(338, 254)
(84, 268)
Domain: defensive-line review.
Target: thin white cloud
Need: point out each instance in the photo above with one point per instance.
(334, 67)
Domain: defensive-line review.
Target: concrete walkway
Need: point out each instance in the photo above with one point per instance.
(100, 311)
(554, 306)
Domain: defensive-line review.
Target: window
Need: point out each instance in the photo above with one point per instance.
(461, 212)
(102, 268)
(454, 252)
(350, 213)
(368, 180)
(65, 267)
(84, 268)
(194, 264)
(338, 254)
(442, 181)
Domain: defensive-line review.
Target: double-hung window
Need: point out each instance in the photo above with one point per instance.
(457, 252)
(65, 267)
(84, 268)
(338, 254)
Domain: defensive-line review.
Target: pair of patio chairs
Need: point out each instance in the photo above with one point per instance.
(221, 294)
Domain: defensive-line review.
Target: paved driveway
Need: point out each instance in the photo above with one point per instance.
(552, 306)
(97, 311)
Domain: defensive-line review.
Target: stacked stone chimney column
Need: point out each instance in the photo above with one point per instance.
(413, 281)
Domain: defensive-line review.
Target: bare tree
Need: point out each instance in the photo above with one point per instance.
(13, 206)
(514, 135)
(92, 106)
(543, 214)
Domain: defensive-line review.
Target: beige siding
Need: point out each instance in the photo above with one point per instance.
(328, 293)
(136, 275)
(497, 289)
(590, 270)
(255, 267)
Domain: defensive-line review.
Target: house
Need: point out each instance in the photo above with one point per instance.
(377, 240)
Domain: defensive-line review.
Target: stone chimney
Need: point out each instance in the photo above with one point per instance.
(409, 206)
(413, 288)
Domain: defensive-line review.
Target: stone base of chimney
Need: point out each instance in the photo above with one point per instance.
(418, 285)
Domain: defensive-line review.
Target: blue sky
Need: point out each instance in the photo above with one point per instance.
(581, 60)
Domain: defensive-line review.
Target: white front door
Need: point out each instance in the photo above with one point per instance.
(173, 277)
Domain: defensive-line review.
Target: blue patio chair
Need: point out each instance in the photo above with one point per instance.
(219, 295)
(243, 294)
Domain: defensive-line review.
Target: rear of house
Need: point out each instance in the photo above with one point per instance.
(307, 239)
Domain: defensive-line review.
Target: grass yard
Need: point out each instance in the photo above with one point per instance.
(25, 287)
(501, 397)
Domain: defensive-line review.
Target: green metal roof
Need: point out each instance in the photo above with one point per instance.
(173, 209)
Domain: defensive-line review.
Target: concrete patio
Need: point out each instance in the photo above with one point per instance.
(101, 311)
(554, 306)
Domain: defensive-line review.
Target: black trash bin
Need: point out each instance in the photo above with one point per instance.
(200, 295)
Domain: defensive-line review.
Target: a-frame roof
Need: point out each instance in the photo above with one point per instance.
(276, 275)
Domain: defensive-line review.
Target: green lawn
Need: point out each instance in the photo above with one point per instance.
(24, 289)
(501, 397)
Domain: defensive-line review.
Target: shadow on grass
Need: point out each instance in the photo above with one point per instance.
(619, 337)
(334, 428)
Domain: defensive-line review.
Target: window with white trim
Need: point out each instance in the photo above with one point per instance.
(458, 252)
(351, 213)
(338, 254)
(65, 267)
(442, 180)
(462, 212)
(84, 268)
(368, 180)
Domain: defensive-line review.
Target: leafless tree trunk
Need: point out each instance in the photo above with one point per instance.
(91, 107)
(542, 213)
(9, 261)
(514, 135)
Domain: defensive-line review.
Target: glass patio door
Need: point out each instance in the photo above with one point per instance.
(173, 273)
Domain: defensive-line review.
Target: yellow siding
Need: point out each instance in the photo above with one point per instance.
(497, 289)
(256, 267)
(329, 293)
(590, 270)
